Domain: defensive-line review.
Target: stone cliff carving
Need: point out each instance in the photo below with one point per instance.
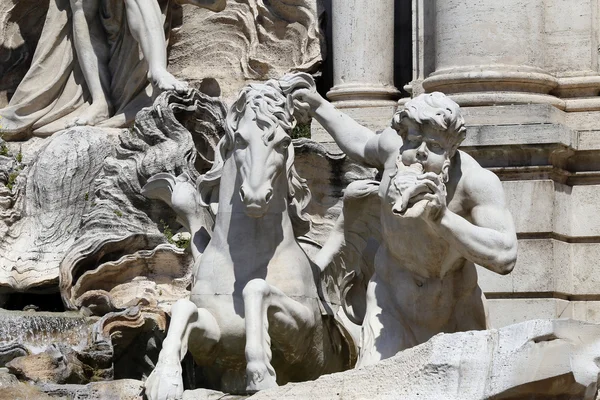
(538, 359)
(255, 318)
(87, 70)
(75, 217)
(437, 220)
(242, 41)
(248, 41)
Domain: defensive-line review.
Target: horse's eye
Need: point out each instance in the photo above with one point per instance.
(240, 142)
(285, 143)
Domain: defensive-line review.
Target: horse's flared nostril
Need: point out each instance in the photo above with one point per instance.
(242, 194)
(397, 210)
(269, 195)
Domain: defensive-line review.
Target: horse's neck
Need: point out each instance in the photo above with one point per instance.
(232, 219)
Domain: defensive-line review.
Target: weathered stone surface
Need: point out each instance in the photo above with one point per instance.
(536, 359)
(84, 211)
(11, 388)
(58, 364)
(207, 394)
(248, 41)
(122, 389)
(507, 311)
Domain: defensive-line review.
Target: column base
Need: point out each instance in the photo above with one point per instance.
(363, 95)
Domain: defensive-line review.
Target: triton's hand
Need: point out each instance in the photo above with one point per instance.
(307, 100)
(436, 206)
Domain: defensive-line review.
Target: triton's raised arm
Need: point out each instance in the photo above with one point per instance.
(358, 142)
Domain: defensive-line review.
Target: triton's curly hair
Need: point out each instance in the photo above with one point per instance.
(437, 111)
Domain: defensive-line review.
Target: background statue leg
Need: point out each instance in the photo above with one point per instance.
(146, 25)
(266, 309)
(92, 53)
(187, 323)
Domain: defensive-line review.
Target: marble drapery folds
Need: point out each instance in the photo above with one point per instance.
(54, 92)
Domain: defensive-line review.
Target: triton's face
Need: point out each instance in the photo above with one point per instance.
(425, 146)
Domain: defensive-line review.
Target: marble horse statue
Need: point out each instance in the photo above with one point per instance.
(256, 317)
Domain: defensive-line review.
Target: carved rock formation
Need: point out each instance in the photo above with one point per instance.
(58, 364)
(74, 210)
(547, 359)
(250, 40)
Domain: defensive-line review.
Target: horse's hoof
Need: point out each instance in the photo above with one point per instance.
(165, 382)
(259, 377)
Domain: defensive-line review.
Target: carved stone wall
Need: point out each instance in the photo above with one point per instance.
(251, 40)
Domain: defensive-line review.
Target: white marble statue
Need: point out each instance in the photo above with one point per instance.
(255, 317)
(440, 214)
(92, 63)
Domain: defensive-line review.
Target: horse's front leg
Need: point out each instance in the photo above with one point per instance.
(189, 324)
(268, 309)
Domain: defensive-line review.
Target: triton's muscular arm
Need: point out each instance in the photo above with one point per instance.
(490, 240)
(360, 143)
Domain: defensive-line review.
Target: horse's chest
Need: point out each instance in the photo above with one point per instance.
(226, 270)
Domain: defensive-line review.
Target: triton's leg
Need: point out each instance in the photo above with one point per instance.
(92, 54)
(268, 309)
(146, 25)
(187, 323)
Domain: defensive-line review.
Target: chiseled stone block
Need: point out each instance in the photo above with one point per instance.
(545, 206)
(588, 311)
(504, 312)
(548, 266)
(531, 204)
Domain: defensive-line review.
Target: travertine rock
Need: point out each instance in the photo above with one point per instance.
(207, 394)
(57, 364)
(248, 41)
(547, 359)
(122, 389)
(83, 209)
(11, 388)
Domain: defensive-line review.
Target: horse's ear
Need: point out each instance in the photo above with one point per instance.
(289, 84)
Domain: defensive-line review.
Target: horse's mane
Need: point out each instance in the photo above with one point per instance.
(273, 105)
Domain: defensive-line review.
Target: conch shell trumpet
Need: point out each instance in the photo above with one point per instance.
(407, 186)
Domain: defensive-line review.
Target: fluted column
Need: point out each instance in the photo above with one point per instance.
(363, 53)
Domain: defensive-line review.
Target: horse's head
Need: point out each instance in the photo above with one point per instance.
(259, 124)
(261, 151)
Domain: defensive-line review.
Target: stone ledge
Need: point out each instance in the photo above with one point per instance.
(533, 359)
(507, 311)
